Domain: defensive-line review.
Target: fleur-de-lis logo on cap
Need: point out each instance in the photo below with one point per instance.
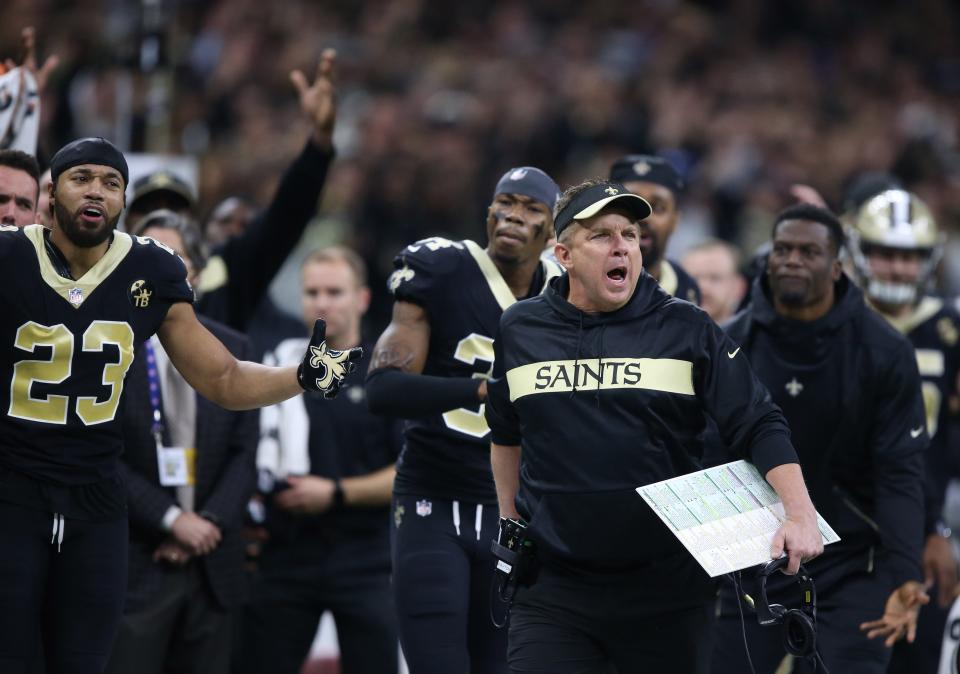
(612, 190)
(641, 168)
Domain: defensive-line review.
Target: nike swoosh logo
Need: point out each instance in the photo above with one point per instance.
(731, 354)
(915, 432)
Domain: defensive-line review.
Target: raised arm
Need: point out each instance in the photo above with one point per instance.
(395, 385)
(28, 43)
(234, 384)
(253, 258)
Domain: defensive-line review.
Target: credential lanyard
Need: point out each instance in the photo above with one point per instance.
(153, 383)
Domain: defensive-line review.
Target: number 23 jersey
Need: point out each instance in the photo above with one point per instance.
(66, 348)
(458, 285)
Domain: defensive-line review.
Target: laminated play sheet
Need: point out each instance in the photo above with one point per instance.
(725, 516)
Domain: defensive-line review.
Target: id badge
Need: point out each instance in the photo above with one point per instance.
(176, 466)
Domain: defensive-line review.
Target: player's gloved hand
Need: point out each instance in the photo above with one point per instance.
(324, 369)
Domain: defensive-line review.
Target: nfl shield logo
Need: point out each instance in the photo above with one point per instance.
(424, 508)
(75, 295)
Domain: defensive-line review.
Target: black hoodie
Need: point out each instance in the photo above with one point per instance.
(604, 403)
(849, 386)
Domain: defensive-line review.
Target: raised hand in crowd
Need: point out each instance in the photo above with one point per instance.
(318, 100)
(29, 49)
(808, 195)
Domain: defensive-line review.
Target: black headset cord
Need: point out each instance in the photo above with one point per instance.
(743, 623)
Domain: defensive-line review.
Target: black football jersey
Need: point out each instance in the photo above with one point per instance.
(678, 282)
(934, 328)
(458, 285)
(66, 348)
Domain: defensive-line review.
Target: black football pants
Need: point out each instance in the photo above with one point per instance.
(70, 590)
(299, 580)
(442, 573)
(565, 624)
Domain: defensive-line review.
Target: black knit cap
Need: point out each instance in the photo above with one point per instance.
(98, 151)
(646, 168)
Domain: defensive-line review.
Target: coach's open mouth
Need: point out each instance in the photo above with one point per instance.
(617, 273)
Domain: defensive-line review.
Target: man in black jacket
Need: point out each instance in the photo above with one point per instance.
(848, 384)
(186, 574)
(605, 381)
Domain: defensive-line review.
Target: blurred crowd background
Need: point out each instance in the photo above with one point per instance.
(437, 98)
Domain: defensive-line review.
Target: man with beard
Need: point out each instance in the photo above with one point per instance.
(849, 388)
(78, 300)
(430, 366)
(655, 180)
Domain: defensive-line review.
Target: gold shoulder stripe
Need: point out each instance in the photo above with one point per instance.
(214, 275)
(501, 291)
(668, 278)
(930, 362)
(668, 375)
(551, 270)
(88, 282)
(927, 308)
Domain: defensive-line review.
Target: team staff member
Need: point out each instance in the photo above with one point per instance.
(78, 300)
(430, 366)
(602, 385)
(658, 183)
(848, 386)
(715, 266)
(186, 575)
(896, 246)
(329, 545)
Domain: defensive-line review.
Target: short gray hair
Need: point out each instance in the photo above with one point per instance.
(187, 229)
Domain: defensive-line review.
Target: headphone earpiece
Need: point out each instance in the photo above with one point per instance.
(799, 633)
(799, 625)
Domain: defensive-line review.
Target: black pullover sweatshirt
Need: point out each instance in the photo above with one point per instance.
(849, 387)
(603, 403)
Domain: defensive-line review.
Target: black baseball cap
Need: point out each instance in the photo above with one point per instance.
(647, 168)
(529, 181)
(595, 198)
(166, 182)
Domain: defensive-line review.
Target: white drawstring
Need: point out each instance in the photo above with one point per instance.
(58, 526)
(479, 520)
(456, 516)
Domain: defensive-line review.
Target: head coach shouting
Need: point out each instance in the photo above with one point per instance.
(602, 384)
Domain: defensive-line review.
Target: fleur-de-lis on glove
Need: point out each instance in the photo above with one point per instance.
(324, 369)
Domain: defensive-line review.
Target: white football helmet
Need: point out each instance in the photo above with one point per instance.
(900, 220)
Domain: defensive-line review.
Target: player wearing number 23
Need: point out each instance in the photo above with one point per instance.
(77, 301)
(430, 367)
